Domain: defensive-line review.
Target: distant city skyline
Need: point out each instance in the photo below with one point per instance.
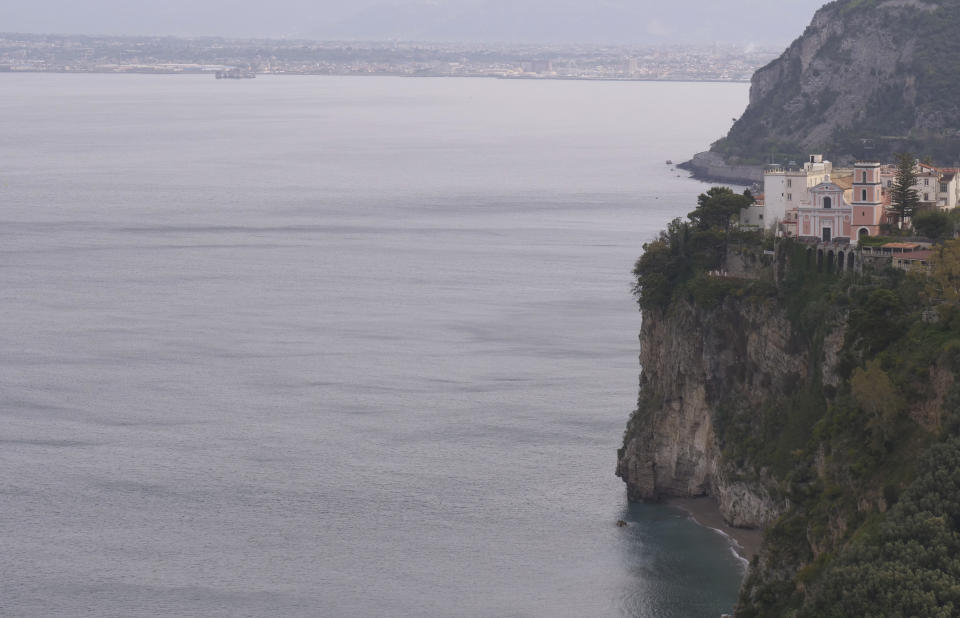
(575, 21)
(155, 54)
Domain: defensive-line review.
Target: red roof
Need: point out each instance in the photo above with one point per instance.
(917, 255)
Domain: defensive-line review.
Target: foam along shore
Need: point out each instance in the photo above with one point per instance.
(706, 513)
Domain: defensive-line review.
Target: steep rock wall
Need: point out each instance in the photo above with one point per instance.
(696, 360)
(863, 69)
(711, 167)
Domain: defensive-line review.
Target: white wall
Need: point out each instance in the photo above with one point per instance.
(774, 196)
(753, 216)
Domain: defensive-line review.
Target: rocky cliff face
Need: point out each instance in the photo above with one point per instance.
(883, 70)
(804, 401)
(701, 367)
(711, 167)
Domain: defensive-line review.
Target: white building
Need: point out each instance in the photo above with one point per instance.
(752, 216)
(949, 196)
(928, 186)
(936, 187)
(774, 194)
(786, 188)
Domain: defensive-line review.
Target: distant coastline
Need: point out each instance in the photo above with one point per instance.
(24, 52)
(406, 75)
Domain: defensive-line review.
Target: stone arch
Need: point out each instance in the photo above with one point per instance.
(851, 261)
(830, 260)
(841, 261)
(809, 255)
(863, 233)
(819, 260)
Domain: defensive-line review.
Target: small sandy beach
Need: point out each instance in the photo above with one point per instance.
(706, 513)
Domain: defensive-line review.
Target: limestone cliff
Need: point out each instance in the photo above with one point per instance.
(879, 70)
(701, 367)
(821, 405)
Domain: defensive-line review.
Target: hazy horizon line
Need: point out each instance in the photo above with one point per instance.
(476, 42)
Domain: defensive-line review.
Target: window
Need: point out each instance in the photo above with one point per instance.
(789, 182)
(863, 195)
(926, 182)
(827, 202)
(863, 178)
(789, 197)
(943, 187)
(889, 183)
(926, 197)
(761, 217)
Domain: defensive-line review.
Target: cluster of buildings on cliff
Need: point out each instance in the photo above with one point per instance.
(817, 201)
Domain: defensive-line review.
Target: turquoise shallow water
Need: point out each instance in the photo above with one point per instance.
(336, 347)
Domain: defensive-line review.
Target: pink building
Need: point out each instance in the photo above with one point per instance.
(868, 211)
(827, 216)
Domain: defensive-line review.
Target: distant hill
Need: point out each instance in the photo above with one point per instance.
(866, 79)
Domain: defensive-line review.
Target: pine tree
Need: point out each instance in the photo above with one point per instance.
(904, 198)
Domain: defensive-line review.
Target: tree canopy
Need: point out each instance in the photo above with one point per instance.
(946, 271)
(717, 206)
(904, 198)
(911, 566)
(687, 248)
(934, 224)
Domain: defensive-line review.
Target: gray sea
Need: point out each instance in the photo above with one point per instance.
(346, 347)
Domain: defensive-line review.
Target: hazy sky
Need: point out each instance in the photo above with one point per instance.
(599, 21)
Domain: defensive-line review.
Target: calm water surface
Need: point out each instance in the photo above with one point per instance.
(335, 347)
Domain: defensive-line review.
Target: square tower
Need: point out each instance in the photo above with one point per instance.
(867, 188)
(867, 199)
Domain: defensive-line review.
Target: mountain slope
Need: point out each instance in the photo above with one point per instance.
(866, 79)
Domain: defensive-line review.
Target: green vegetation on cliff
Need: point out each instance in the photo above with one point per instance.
(858, 443)
(862, 449)
(679, 259)
(907, 564)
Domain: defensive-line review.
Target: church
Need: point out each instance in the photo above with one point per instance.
(836, 213)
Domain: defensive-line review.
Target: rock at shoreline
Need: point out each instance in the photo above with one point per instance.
(710, 167)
